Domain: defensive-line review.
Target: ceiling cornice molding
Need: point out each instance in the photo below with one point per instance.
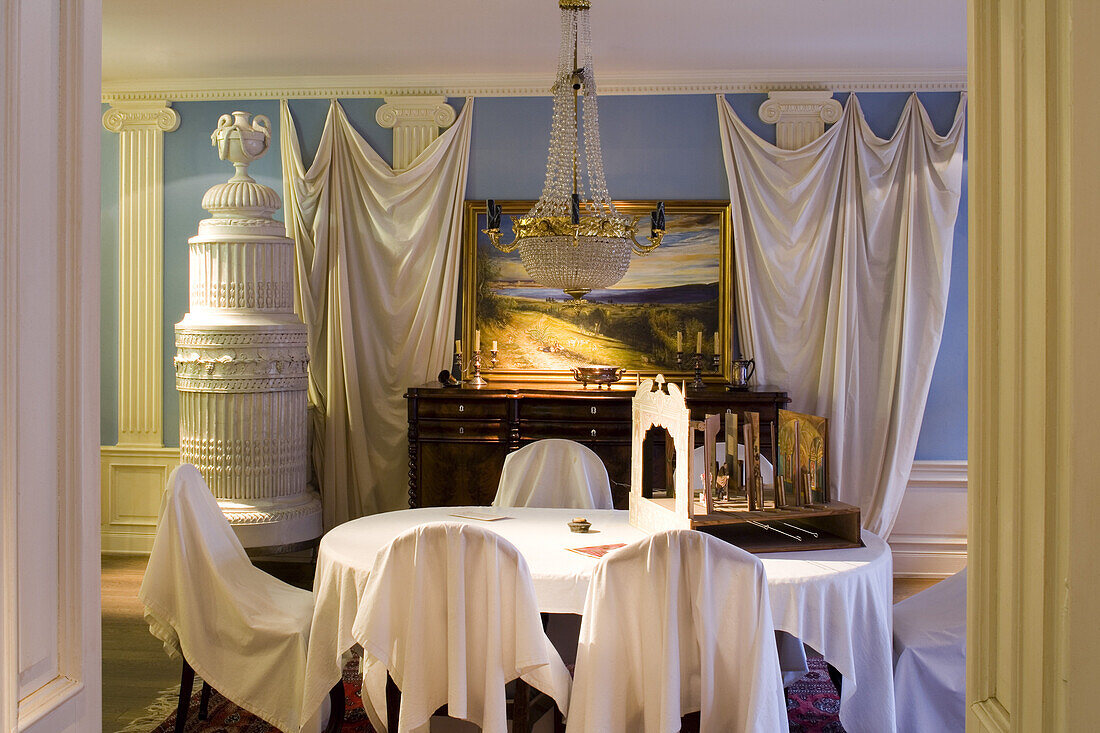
(529, 85)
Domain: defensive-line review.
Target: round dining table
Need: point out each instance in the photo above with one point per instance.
(839, 602)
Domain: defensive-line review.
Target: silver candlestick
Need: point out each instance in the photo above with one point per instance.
(492, 358)
(476, 379)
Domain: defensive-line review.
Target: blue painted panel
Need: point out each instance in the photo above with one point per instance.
(943, 433)
(653, 147)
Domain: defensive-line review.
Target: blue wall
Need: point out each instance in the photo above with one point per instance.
(663, 147)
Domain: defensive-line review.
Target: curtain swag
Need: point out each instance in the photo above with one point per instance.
(842, 260)
(377, 273)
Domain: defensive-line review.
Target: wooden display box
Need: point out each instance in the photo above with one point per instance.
(836, 525)
(832, 525)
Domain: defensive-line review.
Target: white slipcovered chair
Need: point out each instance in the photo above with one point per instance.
(554, 473)
(676, 623)
(448, 617)
(930, 658)
(242, 630)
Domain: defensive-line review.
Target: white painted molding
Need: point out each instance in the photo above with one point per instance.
(416, 122)
(799, 117)
(529, 85)
(50, 658)
(132, 481)
(929, 539)
(141, 127)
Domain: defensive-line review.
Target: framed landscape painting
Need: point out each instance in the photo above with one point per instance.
(542, 333)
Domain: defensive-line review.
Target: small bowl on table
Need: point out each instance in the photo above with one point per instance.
(580, 524)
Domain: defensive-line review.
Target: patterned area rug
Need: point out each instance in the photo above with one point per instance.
(813, 703)
(813, 706)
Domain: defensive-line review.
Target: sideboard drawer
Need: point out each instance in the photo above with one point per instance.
(464, 409)
(462, 430)
(579, 431)
(575, 410)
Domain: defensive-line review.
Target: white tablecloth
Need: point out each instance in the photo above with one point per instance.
(837, 601)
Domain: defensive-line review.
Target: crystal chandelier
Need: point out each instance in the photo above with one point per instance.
(573, 239)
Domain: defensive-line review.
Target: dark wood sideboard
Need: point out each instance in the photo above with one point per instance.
(460, 436)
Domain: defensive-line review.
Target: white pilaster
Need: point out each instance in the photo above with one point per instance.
(799, 117)
(416, 122)
(141, 127)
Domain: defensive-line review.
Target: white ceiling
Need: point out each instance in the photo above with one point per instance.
(157, 41)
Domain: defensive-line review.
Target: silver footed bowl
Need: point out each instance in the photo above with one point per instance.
(598, 374)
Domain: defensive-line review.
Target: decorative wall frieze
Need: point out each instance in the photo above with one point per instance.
(531, 85)
(416, 122)
(140, 127)
(799, 117)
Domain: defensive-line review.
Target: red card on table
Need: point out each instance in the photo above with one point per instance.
(595, 550)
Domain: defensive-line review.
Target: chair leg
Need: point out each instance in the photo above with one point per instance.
(204, 700)
(835, 676)
(393, 704)
(521, 708)
(187, 681)
(336, 708)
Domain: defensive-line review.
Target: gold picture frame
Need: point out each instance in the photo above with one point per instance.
(684, 285)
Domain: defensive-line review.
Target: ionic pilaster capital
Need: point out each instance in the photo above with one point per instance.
(416, 122)
(799, 117)
(134, 116)
(404, 111)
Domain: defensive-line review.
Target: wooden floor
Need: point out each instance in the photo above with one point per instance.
(135, 667)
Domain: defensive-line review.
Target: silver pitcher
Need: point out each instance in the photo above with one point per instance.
(741, 372)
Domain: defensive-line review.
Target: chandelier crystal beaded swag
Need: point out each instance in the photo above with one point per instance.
(573, 239)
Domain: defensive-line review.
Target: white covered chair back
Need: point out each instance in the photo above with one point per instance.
(930, 658)
(243, 631)
(554, 473)
(676, 623)
(449, 611)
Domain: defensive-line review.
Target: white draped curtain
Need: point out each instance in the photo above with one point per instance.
(378, 261)
(843, 255)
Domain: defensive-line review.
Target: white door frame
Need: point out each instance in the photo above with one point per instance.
(1034, 392)
(50, 649)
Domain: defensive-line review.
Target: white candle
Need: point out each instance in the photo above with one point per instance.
(698, 342)
(716, 351)
(458, 346)
(494, 346)
(477, 340)
(679, 340)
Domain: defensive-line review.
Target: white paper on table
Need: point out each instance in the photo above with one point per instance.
(484, 516)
